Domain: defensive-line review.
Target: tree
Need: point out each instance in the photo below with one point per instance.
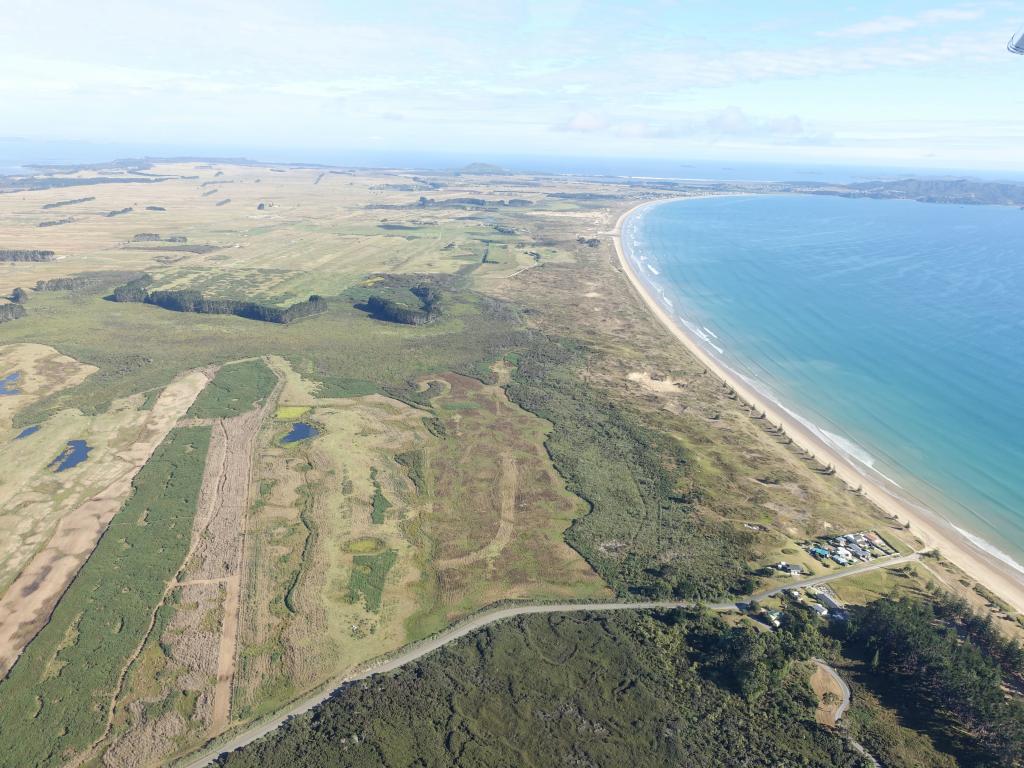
(19, 296)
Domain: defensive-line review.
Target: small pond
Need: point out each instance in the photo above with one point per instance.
(7, 384)
(27, 431)
(300, 431)
(76, 452)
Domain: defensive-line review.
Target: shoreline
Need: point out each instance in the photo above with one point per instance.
(928, 526)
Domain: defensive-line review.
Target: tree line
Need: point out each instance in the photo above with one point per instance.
(396, 312)
(61, 203)
(22, 254)
(194, 301)
(85, 281)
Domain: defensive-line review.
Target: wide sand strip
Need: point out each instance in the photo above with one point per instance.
(934, 531)
(31, 598)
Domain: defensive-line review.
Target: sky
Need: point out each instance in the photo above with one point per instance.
(883, 83)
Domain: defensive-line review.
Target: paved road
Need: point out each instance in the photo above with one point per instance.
(483, 619)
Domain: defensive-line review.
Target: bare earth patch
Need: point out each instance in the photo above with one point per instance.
(829, 693)
(652, 384)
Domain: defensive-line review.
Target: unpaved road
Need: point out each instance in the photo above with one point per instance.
(418, 650)
(829, 680)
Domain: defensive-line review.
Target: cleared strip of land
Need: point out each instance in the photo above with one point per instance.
(51, 699)
(195, 668)
(31, 598)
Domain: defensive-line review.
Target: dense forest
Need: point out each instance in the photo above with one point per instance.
(19, 254)
(619, 689)
(684, 687)
(396, 312)
(943, 668)
(194, 301)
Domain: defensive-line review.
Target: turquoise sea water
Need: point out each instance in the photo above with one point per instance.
(895, 329)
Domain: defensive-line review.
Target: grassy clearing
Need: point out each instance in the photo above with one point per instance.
(368, 575)
(366, 545)
(290, 412)
(299, 625)
(492, 510)
(53, 702)
(234, 390)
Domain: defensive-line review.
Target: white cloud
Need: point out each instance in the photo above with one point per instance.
(887, 25)
(726, 124)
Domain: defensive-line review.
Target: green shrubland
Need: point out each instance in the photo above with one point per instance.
(54, 701)
(634, 689)
(234, 390)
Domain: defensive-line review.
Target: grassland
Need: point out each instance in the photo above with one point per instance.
(543, 439)
(55, 699)
(493, 510)
(309, 536)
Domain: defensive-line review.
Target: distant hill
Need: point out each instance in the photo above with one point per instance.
(960, 191)
(484, 169)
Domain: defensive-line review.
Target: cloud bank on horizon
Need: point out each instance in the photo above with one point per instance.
(929, 85)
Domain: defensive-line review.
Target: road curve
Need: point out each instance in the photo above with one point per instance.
(417, 650)
(845, 703)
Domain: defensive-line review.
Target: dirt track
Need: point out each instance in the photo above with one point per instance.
(31, 598)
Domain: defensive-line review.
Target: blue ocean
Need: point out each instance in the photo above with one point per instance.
(894, 329)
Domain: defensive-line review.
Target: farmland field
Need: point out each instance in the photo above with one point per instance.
(526, 444)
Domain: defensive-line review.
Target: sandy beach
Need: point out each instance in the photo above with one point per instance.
(928, 526)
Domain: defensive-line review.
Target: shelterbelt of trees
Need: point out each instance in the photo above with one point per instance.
(19, 254)
(11, 312)
(86, 280)
(395, 312)
(194, 301)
